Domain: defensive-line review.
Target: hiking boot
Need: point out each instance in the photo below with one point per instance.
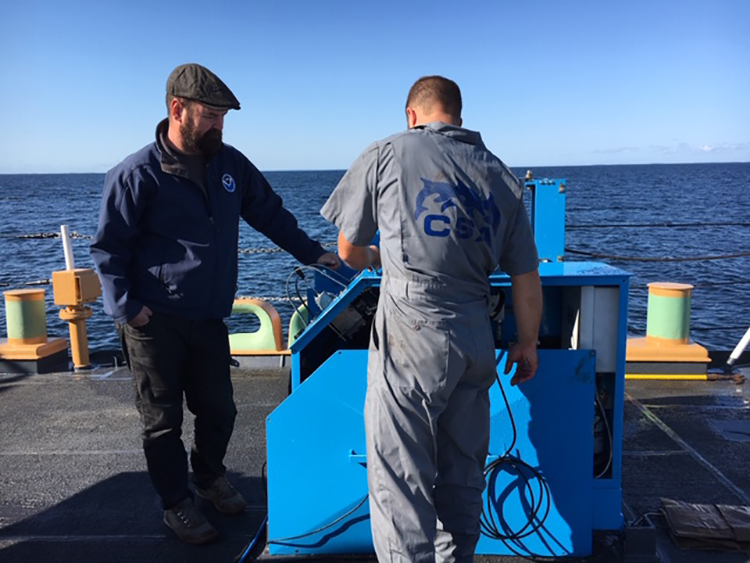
(223, 496)
(189, 524)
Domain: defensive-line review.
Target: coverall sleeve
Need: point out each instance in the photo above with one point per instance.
(264, 211)
(122, 207)
(519, 255)
(352, 206)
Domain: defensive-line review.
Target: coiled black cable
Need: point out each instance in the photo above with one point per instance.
(539, 503)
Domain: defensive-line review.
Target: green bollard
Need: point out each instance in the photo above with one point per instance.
(668, 316)
(26, 316)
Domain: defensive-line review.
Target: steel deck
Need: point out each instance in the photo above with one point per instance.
(73, 485)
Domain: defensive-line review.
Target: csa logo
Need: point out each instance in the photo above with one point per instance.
(475, 217)
(228, 183)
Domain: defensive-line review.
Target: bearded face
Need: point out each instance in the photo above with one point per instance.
(196, 140)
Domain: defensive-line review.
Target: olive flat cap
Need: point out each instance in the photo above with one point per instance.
(196, 82)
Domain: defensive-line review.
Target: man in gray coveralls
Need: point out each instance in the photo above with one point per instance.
(449, 212)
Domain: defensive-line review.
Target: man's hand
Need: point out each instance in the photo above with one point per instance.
(527, 304)
(525, 358)
(330, 259)
(373, 257)
(142, 318)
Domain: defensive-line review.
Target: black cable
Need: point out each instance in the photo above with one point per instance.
(667, 224)
(610, 438)
(512, 540)
(283, 541)
(655, 225)
(326, 272)
(299, 296)
(713, 328)
(538, 500)
(321, 269)
(650, 259)
(251, 546)
(712, 284)
(296, 271)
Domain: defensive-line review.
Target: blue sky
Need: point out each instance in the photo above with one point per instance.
(547, 83)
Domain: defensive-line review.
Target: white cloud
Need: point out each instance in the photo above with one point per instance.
(687, 148)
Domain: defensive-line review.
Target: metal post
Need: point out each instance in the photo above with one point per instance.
(739, 349)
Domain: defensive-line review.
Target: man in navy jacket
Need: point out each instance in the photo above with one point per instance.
(166, 253)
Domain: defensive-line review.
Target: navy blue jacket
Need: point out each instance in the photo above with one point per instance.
(165, 243)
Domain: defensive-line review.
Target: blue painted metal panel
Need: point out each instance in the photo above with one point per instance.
(316, 457)
(572, 274)
(296, 370)
(553, 415)
(548, 218)
(607, 505)
(311, 480)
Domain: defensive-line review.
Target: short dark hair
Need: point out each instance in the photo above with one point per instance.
(187, 103)
(429, 91)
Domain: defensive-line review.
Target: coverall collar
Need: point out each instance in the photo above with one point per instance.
(454, 132)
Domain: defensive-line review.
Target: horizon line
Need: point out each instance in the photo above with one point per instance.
(344, 169)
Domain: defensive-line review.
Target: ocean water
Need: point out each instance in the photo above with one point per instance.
(638, 218)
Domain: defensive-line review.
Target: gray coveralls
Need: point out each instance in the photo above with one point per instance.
(449, 212)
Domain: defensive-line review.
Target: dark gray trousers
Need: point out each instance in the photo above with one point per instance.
(171, 358)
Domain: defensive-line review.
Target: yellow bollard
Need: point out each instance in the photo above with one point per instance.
(72, 289)
(79, 342)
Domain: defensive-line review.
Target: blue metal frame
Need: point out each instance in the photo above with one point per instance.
(316, 453)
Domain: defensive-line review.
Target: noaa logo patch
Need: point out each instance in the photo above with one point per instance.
(228, 183)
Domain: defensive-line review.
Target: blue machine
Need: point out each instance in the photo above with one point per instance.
(554, 470)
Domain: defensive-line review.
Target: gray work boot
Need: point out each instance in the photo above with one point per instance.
(189, 524)
(223, 496)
